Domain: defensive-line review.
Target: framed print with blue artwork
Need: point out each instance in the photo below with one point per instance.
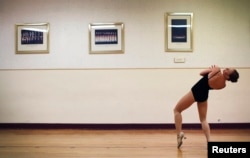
(178, 32)
(32, 38)
(106, 38)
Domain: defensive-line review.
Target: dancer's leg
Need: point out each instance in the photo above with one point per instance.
(185, 102)
(202, 109)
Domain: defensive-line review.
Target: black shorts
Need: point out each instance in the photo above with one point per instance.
(201, 89)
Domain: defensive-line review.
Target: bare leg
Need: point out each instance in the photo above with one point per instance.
(202, 108)
(185, 102)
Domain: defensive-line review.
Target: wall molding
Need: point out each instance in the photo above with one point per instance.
(132, 68)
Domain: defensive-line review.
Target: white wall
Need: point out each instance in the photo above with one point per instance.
(69, 85)
(113, 96)
(221, 32)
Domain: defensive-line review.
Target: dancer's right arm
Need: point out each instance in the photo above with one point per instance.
(211, 71)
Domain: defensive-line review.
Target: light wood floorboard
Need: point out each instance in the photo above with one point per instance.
(109, 143)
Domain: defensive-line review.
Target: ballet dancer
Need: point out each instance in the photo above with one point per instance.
(212, 78)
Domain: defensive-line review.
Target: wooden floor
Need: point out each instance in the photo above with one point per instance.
(109, 143)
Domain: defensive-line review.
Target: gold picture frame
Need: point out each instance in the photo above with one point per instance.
(32, 38)
(106, 38)
(178, 32)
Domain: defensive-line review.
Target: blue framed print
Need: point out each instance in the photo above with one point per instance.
(32, 38)
(106, 38)
(178, 32)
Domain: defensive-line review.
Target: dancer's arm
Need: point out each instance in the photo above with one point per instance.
(204, 72)
(214, 70)
(211, 71)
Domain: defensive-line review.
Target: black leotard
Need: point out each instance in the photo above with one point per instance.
(201, 89)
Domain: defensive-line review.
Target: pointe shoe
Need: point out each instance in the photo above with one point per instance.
(180, 136)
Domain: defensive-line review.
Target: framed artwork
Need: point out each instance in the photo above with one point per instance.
(32, 38)
(106, 38)
(178, 32)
